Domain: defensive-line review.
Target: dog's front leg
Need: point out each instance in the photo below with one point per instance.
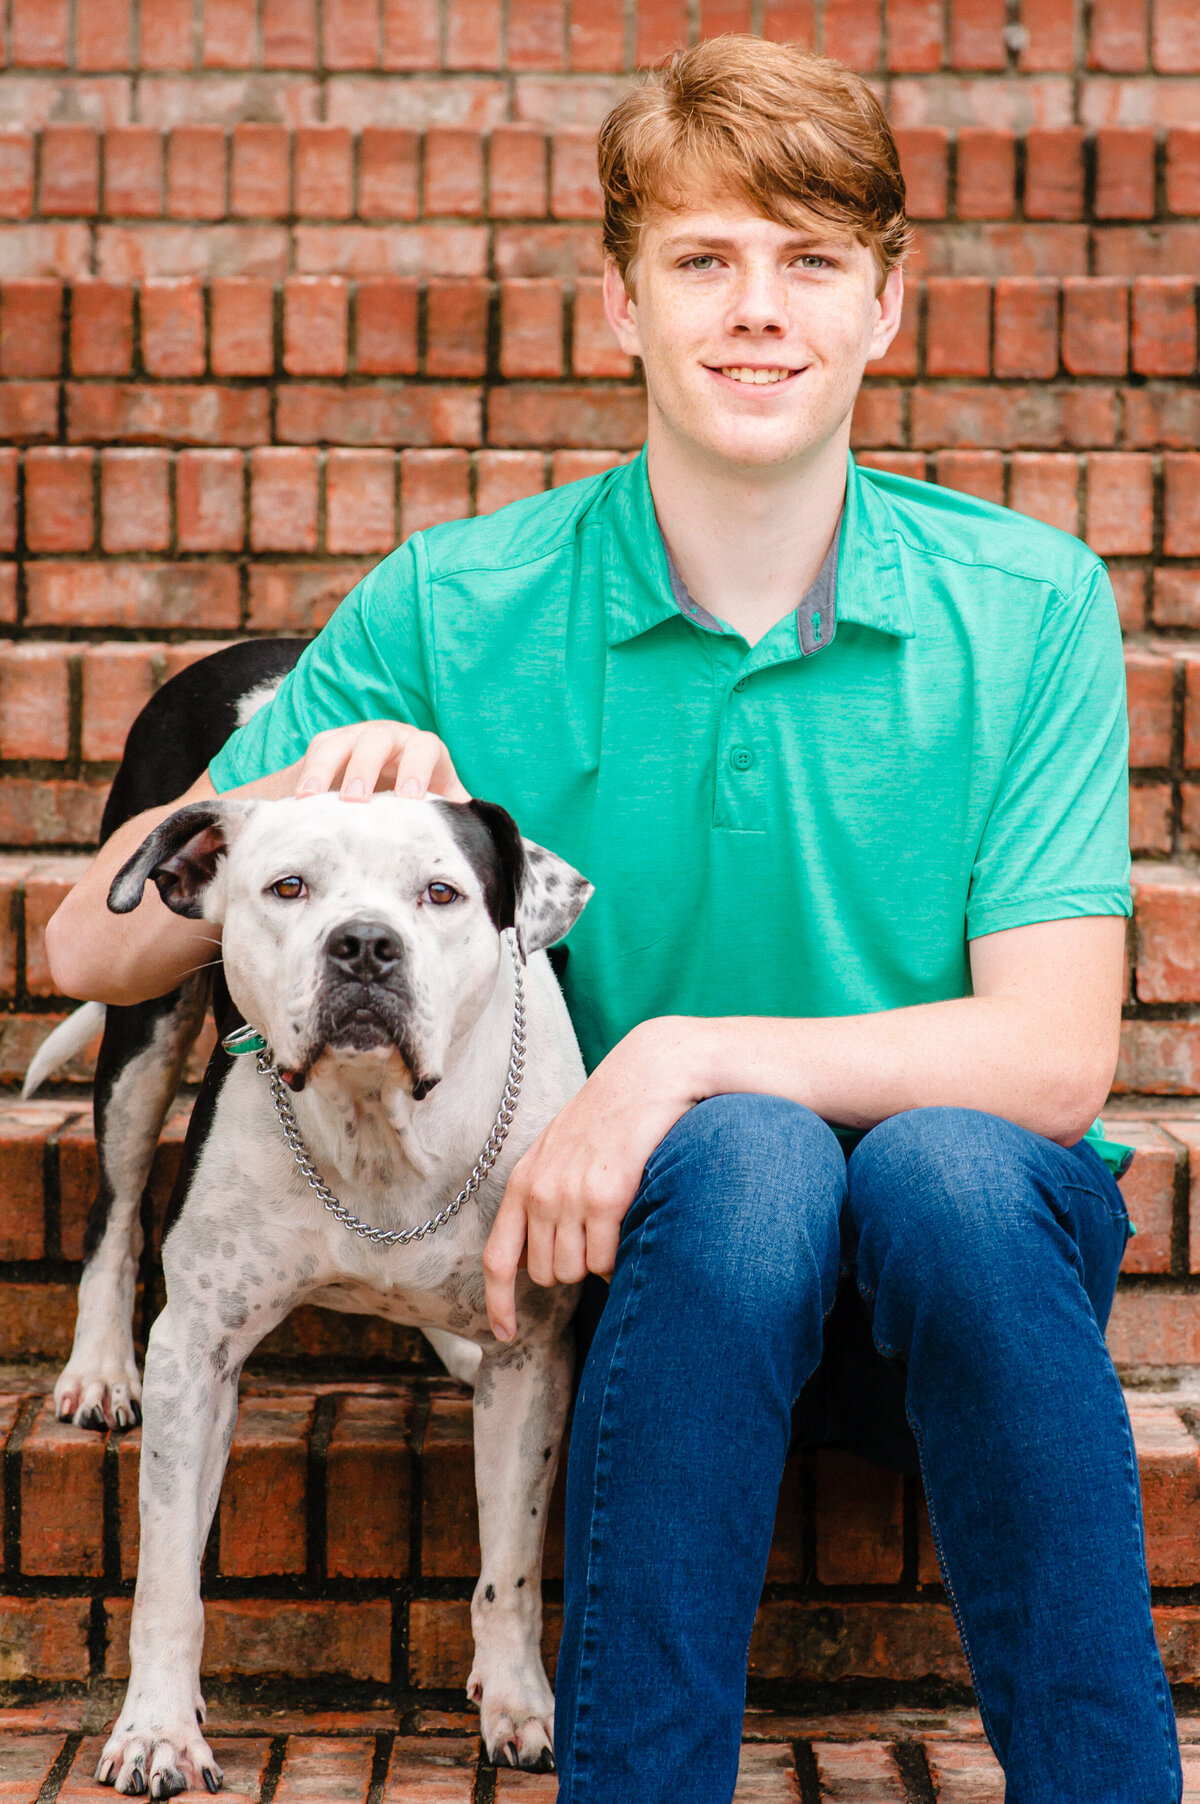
(521, 1398)
(190, 1408)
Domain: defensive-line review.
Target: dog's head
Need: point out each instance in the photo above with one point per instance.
(369, 932)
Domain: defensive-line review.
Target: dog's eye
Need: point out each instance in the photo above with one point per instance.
(441, 893)
(289, 889)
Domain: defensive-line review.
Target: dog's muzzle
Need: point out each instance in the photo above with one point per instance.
(366, 996)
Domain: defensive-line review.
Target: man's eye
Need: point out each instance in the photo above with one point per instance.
(289, 889)
(441, 893)
(702, 263)
(813, 261)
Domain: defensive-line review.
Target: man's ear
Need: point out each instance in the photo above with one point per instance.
(524, 886)
(180, 857)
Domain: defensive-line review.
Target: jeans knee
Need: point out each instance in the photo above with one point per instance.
(749, 1189)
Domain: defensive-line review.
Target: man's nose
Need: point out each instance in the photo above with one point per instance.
(759, 303)
(364, 950)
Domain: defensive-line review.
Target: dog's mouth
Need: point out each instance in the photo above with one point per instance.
(353, 1020)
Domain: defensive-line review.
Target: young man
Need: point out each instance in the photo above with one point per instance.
(844, 757)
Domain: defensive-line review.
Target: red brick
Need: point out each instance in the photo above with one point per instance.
(924, 161)
(45, 1638)
(258, 1635)
(434, 486)
(8, 594)
(8, 498)
(1026, 332)
(449, 1519)
(259, 181)
(326, 1767)
(30, 327)
(1170, 1480)
(531, 329)
(978, 473)
(135, 500)
(1124, 174)
(283, 499)
(268, 1459)
(1129, 591)
(1119, 516)
(162, 414)
(23, 1136)
(1045, 485)
(858, 1769)
(815, 1640)
(368, 1486)
(39, 34)
(878, 418)
(1162, 414)
(597, 36)
(324, 177)
(456, 328)
(298, 598)
(569, 416)
(209, 500)
(569, 251)
(133, 172)
(662, 26)
(16, 173)
(360, 501)
(101, 329)
(452, 1778)
(118, 681)
(70, 170)
(1176, 43)
(173, 328)
(386, 328)
(166, 34)
(574, 466)
(28, 1759)
(1149, 1191)
(965, 1773)
(987, 174)
(472, 35)
(1181, 504)
(536, 31)
(28, 411)
(289, 34)
(350, 35)
(133, 595)
(46, 888)
(38, 812)
(228, 36)
(309, 413)
(1149, 683)
(1150, 818)
(1118, 35)
(1164, 325)
(977, 34)
(387, 173)
(1054, 173)
(517, 172)
(33, 701)
(594, 350)
(1183, 169)
(58, 499)
(196, 172)
(914, 35)
(860, 1521)
(574, 182)
(1050, 27)
(958, 314)
(410, 34)
(453, 172)
(504, 476)
(315, 326)
(1167, 901)
(243, 326)
(62, 1500)
(1095, 328)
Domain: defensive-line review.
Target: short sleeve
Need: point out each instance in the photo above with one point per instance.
(1056, 842)
(369, 662)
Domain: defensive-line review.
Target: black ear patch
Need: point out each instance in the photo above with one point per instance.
(180, 857)
(491, 842)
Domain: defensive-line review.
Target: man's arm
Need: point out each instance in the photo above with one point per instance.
(1037, 1044)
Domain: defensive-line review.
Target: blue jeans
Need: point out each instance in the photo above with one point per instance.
(986, 1259)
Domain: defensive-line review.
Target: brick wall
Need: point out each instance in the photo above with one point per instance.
(280, 284)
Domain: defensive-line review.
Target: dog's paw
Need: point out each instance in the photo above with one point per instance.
(517, 1720)
(107, 1396)
(140, 1762)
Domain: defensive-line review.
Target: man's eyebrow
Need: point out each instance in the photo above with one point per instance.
(712, 241)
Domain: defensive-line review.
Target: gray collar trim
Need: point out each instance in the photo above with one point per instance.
(816, 612)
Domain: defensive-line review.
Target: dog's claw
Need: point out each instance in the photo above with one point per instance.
(510, 1753)
(212, 1782)
(105, 1771)
(91, 1418)
(545, 1763)
(137, 1780)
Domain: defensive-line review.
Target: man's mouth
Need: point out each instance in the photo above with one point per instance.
(753, 375)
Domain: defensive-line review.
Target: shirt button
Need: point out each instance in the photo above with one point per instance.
(741, 757)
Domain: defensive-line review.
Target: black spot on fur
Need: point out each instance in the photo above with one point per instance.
(491, 843)
(520, 1582)
(490, 1594)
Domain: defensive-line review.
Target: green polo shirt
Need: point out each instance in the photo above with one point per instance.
(813, 825)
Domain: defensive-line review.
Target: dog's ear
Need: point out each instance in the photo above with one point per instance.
(524, 885)
(180, 857)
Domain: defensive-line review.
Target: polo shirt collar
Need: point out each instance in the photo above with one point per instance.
(638, 589)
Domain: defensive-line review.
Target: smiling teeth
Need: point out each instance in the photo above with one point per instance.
(749, 375)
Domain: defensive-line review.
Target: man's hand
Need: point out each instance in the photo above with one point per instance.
(569, 1193)
(378, 754)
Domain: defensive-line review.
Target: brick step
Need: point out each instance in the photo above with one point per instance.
(345, 1549)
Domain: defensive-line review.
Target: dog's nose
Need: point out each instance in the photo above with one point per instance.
(365, 950)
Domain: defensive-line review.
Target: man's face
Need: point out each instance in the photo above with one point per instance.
(753, 335)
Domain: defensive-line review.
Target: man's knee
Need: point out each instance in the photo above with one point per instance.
(749, 1189)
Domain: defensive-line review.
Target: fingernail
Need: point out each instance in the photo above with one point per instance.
(357, 789)
(500, 1332)
(307, 788)
(410, 787)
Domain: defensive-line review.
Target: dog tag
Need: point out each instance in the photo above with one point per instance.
(243, 1039)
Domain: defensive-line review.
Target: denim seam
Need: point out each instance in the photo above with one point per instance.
(587, 1638)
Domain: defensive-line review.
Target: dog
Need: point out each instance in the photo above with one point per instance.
(390, 962)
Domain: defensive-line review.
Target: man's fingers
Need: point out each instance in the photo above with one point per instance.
(501, 1257)
(375, 748)
(539, 1249)
(425, 765)
(603, 1239)
(570, 1253)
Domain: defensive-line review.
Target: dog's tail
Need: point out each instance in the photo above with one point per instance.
(68, 1038)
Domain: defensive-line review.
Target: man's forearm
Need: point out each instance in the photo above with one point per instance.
(996, 1053)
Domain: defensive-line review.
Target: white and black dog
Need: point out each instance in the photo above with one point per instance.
(368, 948)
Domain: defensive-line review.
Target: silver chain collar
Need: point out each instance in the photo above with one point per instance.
(397, 1237)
